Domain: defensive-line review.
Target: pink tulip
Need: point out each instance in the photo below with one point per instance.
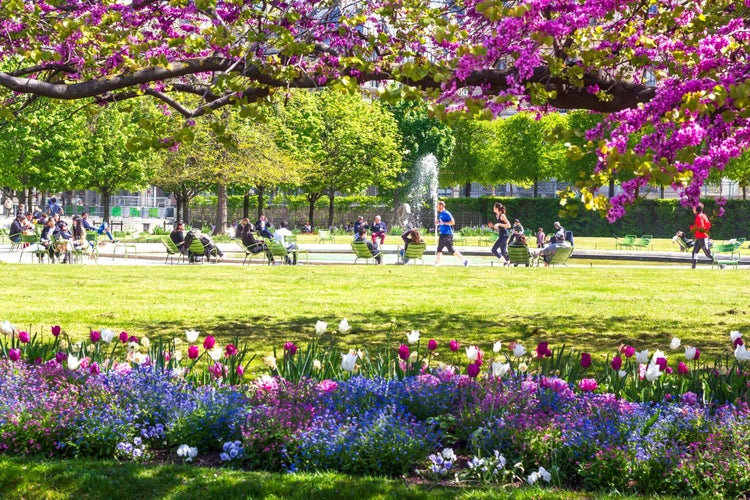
(209, 342)
(217, 370)
(94, 369)
(454, 345)
(193, 352)
(96, 336)
(588, 385)
(291, 348)
(432, 344)
(682, 368)
(230, 350)
(629, 351)
(124, 337)
(662, 362)
(56, 330)
(240, 371)
(472, 370)
(14, 354)
(23, 337)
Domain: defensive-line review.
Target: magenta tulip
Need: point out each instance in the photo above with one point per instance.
(682, 368)
(662, 362)
(240, 371)
(96, 336)
(23, 337)
(94, 368)
(629, 351)
(588, 385)
(14, 354)
(432, 344)
(60, 357)
(291, 348)
(230, 350)
(585, 360)
(193, 352)
(403, 352)
(56, 330)
(454, 345)
(209, 342)
(472, 370)
(124, 337)
(738, 342)
(543, 350)
(616, 363)
(697, 354)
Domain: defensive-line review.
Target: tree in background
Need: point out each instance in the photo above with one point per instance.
(348, 143)
(468, 161)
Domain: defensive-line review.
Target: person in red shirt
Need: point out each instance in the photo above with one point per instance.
(700, 228)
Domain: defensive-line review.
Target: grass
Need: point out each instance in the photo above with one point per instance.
(36, 478)
(592, 309)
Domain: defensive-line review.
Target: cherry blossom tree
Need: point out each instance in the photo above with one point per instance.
(675, 72)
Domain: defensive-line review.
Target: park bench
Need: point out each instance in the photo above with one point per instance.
(725, 254)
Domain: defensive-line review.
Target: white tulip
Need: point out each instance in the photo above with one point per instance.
(734, 335)
(689, 353)
(344, 326)
(653, 372)
(499, 369)
(191, 335)
(675, 344)
(216, 353)
(107, 335)
(497, 346)
(472, 353)
(519, 350)
(320, 327)
(349, 361)
(145, 342)
(73, 362)
(622, 374)
(413, 337)
(741, 353)
(317, 365)
(6, 328)
(642, 357)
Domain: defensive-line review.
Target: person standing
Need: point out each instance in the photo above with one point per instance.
(8, 206)
(500, 248)
(445, 223)
(700, 227)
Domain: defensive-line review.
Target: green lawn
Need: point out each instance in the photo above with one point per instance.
(589, 308)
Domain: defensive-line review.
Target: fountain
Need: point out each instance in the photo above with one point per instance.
(423, 187)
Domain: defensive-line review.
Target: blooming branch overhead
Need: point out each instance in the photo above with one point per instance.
(673, 76)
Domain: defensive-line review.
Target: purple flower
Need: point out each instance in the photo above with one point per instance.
(585, 360)
(94, 368)
(23, 337)
(124, 337)
(697, 354)
(193, 352)
(96, 336)
(56, 330)
(291, 348)
(737, 342)
(14, 354)
(616, 363)
(628, 351)
(403, 352)
(454, 345)
(472, 370)
(240, 371)
(61, 356)
(230, 350)
(432, 344)
(209, 342)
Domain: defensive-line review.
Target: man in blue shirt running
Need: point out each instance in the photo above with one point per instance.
(444, 224)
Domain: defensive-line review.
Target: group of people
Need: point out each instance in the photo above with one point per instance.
(55, 234)
(246, 231)
(184, 240)
(514, 234)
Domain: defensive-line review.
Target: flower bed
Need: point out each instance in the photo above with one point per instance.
(544, 417)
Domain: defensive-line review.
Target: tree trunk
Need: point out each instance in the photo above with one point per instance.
(178, 206)
(744, 192)
(221, 208)
(246, 205)
(330, 208)
(261, 190)
(536, 187)
(467, 189)
(661, 192)
(186, 210)
(311, 199)
(105, 204)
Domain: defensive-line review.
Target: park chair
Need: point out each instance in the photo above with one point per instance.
(15, 245)
(560, 257)
(279, 250)
(519, 254)
(197, 251)
(644, 242)
(297, 250)
(33, 247)
(361, 251)
(681, 244)
(626, 242)
(325, 235)
(252, 251)
(725, 254)
(94, 238)
(172, 249)
(414, 252)
(3, 234)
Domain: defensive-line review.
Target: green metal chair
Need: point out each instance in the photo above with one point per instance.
(198, 250)
(415, 252)
(626, 242)
(361, 251)
(725, 254)
(172, 250)
(519, 254)
(325, 235)
(299, 251)
(252, 251)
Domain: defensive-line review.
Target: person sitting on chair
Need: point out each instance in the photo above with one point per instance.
(178, 237)
(373, 247)
(378, 230)
(361, 223)
(245, 233)
(548, 251)
(517, 230)
(264, 227)
(410, 236)
(282, 232)
(49, 231)
(16, 228)
(683, 241)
